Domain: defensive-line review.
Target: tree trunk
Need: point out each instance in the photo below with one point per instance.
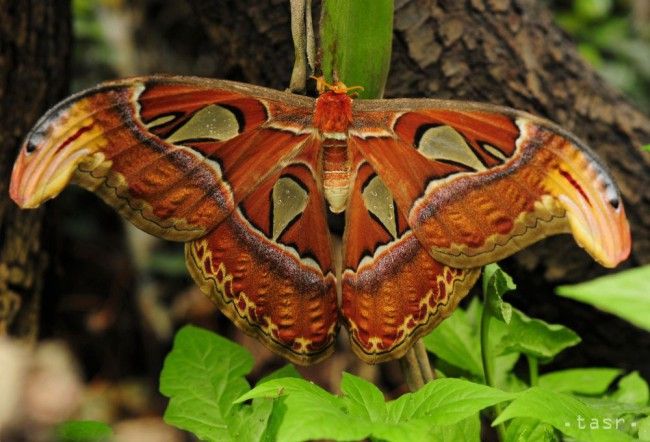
(34, 63)
(500, 51)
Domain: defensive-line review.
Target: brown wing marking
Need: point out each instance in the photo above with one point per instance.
(394, 292)
(477, 185)
(268, 266)
(175, 155)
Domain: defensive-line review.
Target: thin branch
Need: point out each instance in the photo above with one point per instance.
(423, 360)
(299, 35)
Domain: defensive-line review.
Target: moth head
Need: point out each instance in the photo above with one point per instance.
(63, 138)
(338, 87)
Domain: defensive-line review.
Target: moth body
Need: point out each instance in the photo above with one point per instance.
(332, 117)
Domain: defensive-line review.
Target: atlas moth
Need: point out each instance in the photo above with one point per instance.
(431, 190)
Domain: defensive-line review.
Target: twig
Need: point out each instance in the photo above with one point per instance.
(423, 359)
(411, 370)
(299, 35)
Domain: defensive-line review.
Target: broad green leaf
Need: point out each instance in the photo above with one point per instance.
(250, 423)
(202, 376)
(277, 415)
(363, 399)
(526, 429)
(456, 341)
(536, 338)
(590, 381)
(646, 148)
(612, 408)
(644, 428)
(591, 10)
(312, 413)
(445, 401)
(566, 413)
(468, 429)
(632, 389)
(497, 283)
(286, 387)
(441, 403)
(624, 294)
(356, 43)
(83, 431)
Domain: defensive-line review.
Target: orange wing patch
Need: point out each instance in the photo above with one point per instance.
(394, 292)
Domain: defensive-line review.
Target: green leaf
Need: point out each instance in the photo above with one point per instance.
(441, 403)
(83, 431)
(445, 401)
(525, 429)
(612, 408)
(497, 283)
(363, 398)
(644, 428)
(624, 294)
(312, 413)
(466, 430)
(250, 423)
(632, 389)
(536, 338)
(592, 10)
(566, 413)
(356, 41)
(202, 376)
(456, 341)
(646, 148)
(589, 381)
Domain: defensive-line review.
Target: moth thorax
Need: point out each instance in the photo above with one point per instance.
(336, 173)
(333, 113)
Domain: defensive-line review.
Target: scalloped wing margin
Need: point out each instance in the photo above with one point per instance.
(268, 266)
(393, 291)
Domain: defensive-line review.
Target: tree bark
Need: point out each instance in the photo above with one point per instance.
(505, 52)
(34, 62)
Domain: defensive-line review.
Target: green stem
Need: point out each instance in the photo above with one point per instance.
(486, 358)
(533, 370)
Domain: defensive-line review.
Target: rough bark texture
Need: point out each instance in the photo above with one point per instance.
(34, 61)
(506, 52)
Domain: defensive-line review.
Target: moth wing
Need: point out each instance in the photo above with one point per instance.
(393, 291)
(477, 183)
(174, 155)
(268, 266)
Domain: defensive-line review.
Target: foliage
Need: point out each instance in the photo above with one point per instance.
(349, 34)
(83, 431)
(624, 294)
(204, 377)
(613, 40)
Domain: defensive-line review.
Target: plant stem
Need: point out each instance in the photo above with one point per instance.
(411, 369)
(423, 360)
(486, 358)
(533, 370)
